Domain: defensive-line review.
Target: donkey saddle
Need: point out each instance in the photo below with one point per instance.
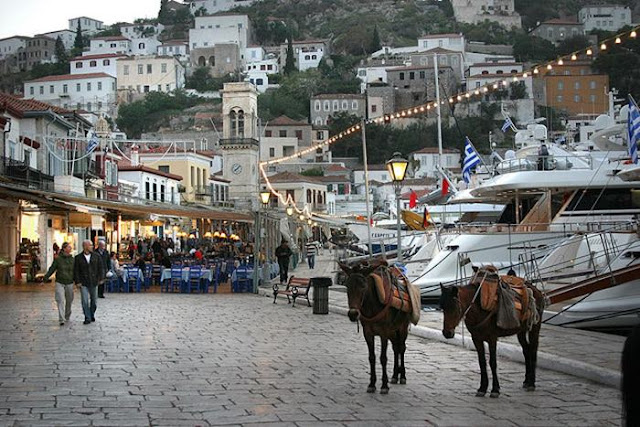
(394, 289)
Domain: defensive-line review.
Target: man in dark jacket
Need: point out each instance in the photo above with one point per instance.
(62, 266)
(88, 272)
(105, 258)
(283, 253)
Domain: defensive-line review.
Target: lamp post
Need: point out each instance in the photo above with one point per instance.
(265, 197)
(397, 168)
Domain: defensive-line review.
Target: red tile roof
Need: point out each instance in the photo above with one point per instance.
(336, 168)
(143, 168)
(104, 55)
(70, 77)
(285, 177)
(18, 106)
(286, 121)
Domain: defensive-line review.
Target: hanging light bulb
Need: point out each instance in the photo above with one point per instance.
(459, 98)
(486, 89)
(618, 40)
(477, 92)
(422, 108)
(633, 34)
(535, 71)
(525, 75)
(450, 100)
(603, 46)
(560, 61)
(549, 67)
(574, 57)
(589, 51)
(495, 85)
(515, 78)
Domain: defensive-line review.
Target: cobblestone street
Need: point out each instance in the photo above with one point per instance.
(157, 359)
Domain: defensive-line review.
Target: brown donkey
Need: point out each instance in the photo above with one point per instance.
(464, 302)
(377, 319)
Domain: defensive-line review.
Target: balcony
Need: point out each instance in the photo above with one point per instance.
(22, 174)
(239, 142)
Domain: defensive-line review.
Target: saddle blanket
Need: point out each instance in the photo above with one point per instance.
(392, 284)
(489, 294)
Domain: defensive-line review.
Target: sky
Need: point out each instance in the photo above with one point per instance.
(30, 17)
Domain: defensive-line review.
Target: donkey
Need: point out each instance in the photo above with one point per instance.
(377, 319)
(463, 302)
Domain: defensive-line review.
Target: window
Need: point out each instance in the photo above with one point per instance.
(576, 85)
(283, 133)
(125, 70)
(164, 168)
(576, 98)
(336, 105)
(99, 85)
(345, 105)
(147, 193)
(149, 69)
(592, 98)
(65, 88)
(163, 67)
(423, 75)
(162, 192)
(168, 86)
(299, 134)
(267, 133)
(559, 98)
(272, 152)
(41, 90)
(88, 106)
(31, 90)
(50, 88)
(88, 86)
(319, 135)
(317, 105)
(99, 105)
(412, 75)
(141, 46)
(146, 89)
(592, 84)
(354, 105)
(78, 64)
(374, 108)
(112, 45)
(93, 64)
(327, 105)
(106, 62)
(560, 85)
(155, 191)
(401, 76)
(259, 82)
(140, 69)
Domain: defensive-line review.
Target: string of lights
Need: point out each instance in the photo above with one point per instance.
(588, 52)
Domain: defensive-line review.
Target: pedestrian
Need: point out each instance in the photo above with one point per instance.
(312, 250)
(283, 254)
(87, 272)
(62, 266)
(105, 258)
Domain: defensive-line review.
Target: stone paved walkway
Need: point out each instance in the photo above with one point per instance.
(157, 359)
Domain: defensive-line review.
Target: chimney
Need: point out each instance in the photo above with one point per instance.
(135, 157)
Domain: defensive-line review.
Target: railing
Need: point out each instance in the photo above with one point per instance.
(23, 174)
(545, 163)
(239, 141)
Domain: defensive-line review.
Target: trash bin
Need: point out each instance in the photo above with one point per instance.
(321, 294)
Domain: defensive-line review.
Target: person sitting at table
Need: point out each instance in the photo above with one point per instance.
(115, 265)
(198, 255)
(140, 263)
(164, 260)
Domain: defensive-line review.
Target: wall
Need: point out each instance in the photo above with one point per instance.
(96, 94)
(89, 64)
(322, 107)
(166, 74)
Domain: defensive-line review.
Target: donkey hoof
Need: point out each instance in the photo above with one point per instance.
(384, 390)
(403, 380)
(495, 394)
(393, 381)
(480, 393)
(371, 389)
(530, 388)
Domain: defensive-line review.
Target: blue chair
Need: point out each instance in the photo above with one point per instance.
(148, 276)
(195, 277)
(242, 281)
(176, 279)
(156, 274)
(113, 283)
(133, 274)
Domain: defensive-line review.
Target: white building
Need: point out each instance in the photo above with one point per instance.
(496, 68)
(426, 159)
(141, 30)
(142, 74)
(480, 80)
(308, 59)
(258, 73)
(378, 173)
(604, 17)
(214, 6)
(93, 92)
(453, 42)
(254, 54)
(105, 63)
(109, 44)
(11, 45)
(152, 184)
(222, 28)
(88, 25)
(478, 11)
(68, 37)
(179, 48)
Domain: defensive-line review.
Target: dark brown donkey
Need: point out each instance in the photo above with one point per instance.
(377, 319)
(464, 302)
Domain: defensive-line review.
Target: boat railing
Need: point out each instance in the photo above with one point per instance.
(554, 227)
(545, 163)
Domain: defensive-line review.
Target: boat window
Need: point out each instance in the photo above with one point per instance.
(609, 199)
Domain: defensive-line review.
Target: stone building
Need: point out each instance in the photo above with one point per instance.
(475, 11)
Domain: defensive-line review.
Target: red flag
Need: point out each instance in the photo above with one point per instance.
(426, 218)
(445, 186)
(413, 200)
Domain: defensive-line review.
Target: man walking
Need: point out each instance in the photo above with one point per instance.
(105, 259)
(283, 254)
(312, 250)
(87, 272)
(62, 266)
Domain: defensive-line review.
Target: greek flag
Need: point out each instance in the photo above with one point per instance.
(471, 159)
(634, 129)
(507, 124)
(92, 141)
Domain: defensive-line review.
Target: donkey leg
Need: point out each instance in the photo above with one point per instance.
(482, 361)
(402, 346)
(396, 355)
(372, 362)
(384, 343)
(493, 363)
(526, 351)
(534, 340)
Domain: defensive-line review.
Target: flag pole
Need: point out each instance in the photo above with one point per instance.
(366, 186)
(477, 152)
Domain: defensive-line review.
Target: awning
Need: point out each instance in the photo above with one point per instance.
(83, 208)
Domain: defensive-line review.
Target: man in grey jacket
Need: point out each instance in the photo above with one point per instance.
(62, 266)
(105, 258)
(88, 272)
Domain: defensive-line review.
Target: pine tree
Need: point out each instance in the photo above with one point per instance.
(60, 51)
(78, 43)
(290, 64)
(375, 41)
(163, 13)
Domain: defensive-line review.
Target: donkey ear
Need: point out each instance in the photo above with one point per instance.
(345, 267)
(454, 291)
(475, 268)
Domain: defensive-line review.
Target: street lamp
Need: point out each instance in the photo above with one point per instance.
(265, 196)
(289, 210)
(397, 168)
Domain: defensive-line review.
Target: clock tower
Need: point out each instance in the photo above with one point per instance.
(240, 146)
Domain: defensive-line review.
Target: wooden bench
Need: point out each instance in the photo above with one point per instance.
(296, 288)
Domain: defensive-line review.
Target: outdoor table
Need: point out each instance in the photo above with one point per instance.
(206, 274)
(125, 276)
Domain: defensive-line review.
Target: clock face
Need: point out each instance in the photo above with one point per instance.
(236, 168)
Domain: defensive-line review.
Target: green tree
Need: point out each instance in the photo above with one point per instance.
(164, 13)
(200, 80)
(78, 43)
(132, 118)
(622, 65)
(531, 48)
(60, 51)
(572, 44)
(376, 45)
(290, 65)
(518, 90)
